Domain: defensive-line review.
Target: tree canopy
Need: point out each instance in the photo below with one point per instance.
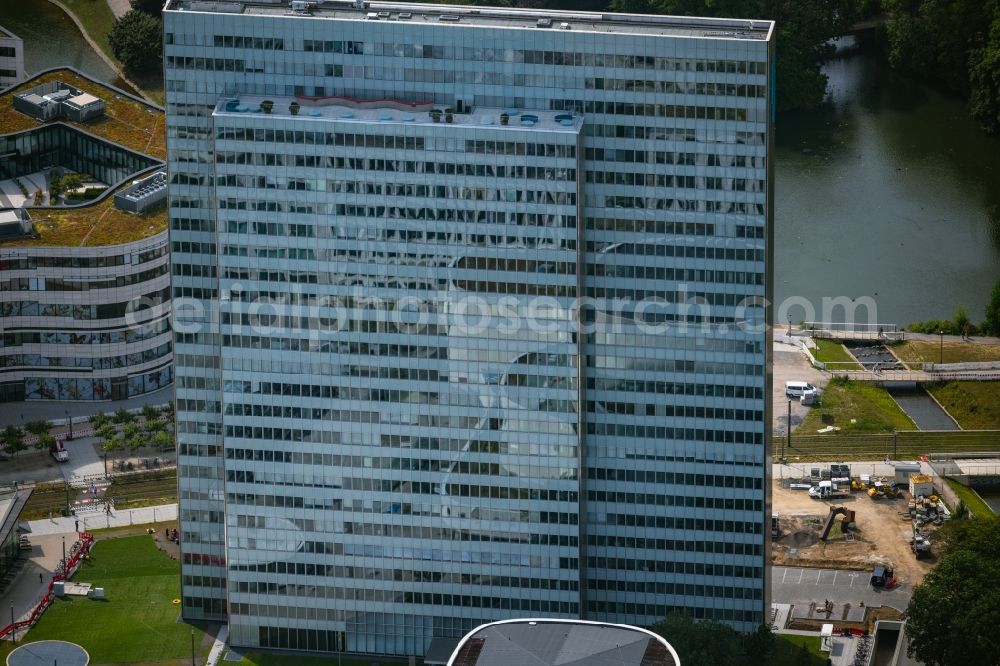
(704, 643)
(991, 325)
(151, 7)
(952, 616)
(954, 43)
(804, 29)
(135, 40)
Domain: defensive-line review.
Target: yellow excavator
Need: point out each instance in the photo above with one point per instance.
(881, 490)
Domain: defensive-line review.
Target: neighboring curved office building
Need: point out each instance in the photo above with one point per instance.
(548, 642)
(84, 288)
(477, 318)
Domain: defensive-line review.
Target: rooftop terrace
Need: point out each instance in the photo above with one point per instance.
(533, 19)
(127, 122)
(389, 112)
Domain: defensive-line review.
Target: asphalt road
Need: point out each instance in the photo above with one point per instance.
(799, 586)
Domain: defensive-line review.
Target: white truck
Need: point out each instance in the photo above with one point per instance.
(828, 490)
(58, 451)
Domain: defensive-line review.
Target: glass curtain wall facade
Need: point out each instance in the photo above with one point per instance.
(533, 355)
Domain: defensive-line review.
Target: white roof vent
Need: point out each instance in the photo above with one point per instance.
(372, 16)
(565, 26)
(544, 23)
(450, 18)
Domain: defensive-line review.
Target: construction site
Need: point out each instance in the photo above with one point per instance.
(878, 529)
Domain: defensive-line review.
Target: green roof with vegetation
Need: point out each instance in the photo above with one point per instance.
(127, 122)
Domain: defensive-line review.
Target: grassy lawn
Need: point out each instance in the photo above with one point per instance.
(139, 621)
(975, 405)
(97, 19)
(926, 351)
(788, 652)
(831, 351)
(970, 498)
(855, 407)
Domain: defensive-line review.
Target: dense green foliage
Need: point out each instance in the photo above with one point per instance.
(802, 36)
(956, 44)
(703, 643)
(151, 7)
(136, 42)
(953, 613)
(991, 326)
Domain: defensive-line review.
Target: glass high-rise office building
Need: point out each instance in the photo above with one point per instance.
(470, 313)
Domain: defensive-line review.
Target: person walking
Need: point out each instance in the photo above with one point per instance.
(107, 508)
(77, 523)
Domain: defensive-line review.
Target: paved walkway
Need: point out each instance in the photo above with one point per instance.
(99, 520)
(17, 413)
(119, 7)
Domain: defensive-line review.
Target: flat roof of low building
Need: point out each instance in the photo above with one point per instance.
(527, 19)
(552, 642)
(127, 121)
(84, 99)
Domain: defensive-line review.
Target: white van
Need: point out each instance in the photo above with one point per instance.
(798, 389)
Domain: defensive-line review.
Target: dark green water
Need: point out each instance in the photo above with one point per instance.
(891, 192)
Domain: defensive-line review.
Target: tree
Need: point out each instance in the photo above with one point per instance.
(151, 7)
(133, 436)
(44, 441)
(803, 31)
(13, 440)
(97, 420)
(954, 612)
(38, 428)
(953, 43)
(992, 324)
(135, 41)
(123, 416)
(760, 644)
(150, 413)
(984, 79)
(162, 440)
(704, 643)
(110, 441)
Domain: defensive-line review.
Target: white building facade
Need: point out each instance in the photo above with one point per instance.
(469, 311)
(11, 58)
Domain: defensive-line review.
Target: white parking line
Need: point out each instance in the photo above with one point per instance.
(784, 573)
(801, 573)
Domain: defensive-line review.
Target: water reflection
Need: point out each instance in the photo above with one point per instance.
(888, 191)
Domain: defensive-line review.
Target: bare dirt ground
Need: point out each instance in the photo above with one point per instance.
(881, 535)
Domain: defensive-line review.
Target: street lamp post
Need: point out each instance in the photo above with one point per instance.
(13, 629)
(940, 347)
(105, 464)
(64, 553)
(192, 647)
(70, 419)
